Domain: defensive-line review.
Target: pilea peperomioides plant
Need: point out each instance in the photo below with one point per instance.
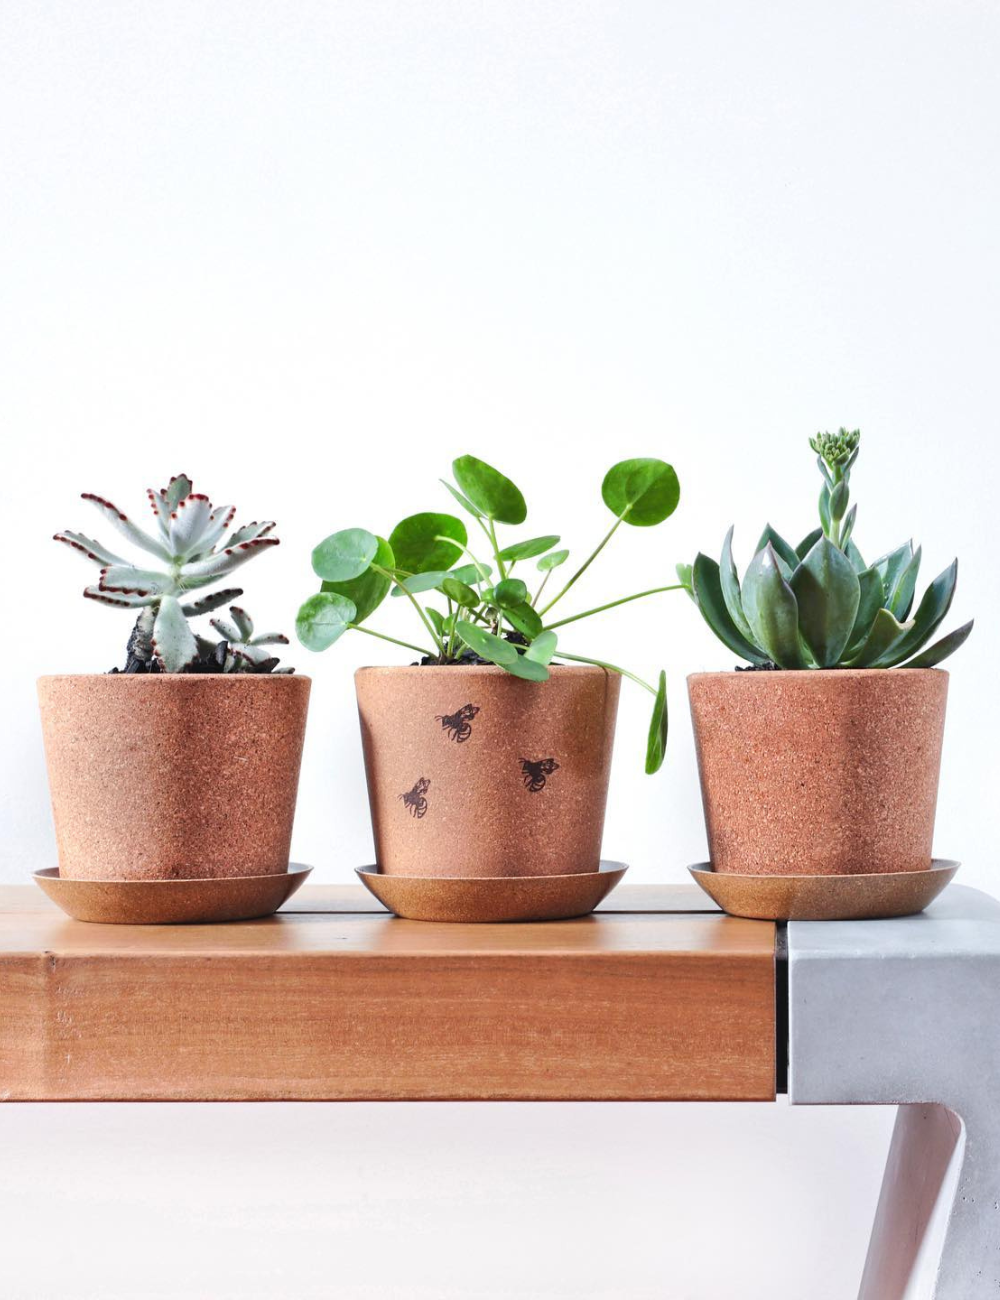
(485, 614)
(819, 605)
(192, 551)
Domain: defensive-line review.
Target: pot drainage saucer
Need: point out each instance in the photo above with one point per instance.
(493, 898)
(868, 897)
(171, 902)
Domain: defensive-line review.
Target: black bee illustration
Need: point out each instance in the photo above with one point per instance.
(459, 725)
(535, 774)
(415, 800)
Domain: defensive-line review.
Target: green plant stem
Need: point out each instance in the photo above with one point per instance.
(416, 605)
(612, 668)
(480, 569)
(538, 593)
(612, 604)
(496, 550)
(584, 566)
(356, 627)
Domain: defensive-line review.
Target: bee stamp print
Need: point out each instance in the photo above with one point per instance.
(459, 725)
(535, 774)
(415, 800)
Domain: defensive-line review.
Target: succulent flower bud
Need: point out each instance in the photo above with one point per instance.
(836, 448)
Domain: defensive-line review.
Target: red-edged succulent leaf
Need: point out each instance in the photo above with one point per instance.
(134, 582)
(225, 561)
(174, 643)
(218, 521)
(243, 621)
(89, 547)
(119, 599)
(179, 487)
(271, 638)
(248, 532)
(214, 600)
(226, 630)
(188, 523)
(126, 527)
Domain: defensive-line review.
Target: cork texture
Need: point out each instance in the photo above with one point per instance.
(819, 773)
(825, 898)
(477, 900)
(472, 772)
(173, 777)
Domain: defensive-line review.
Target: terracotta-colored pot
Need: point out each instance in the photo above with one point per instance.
(472, 772)
(160, 776)
(819, 772)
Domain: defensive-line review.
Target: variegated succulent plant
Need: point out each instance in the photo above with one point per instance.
(193, 548)
(819, 605)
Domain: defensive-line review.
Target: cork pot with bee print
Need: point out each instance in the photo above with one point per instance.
(475, 773)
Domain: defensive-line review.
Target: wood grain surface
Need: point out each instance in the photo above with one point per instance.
(656, 996)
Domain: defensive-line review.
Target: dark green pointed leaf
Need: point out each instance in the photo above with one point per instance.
(524, 618)
(489, 490)
(782, 549)
(437, 619)
(552, 561)
(706, 587)
(848, 528)
(323, 618)
(931, 612)
(344, 555)
(872, 598)
(824, 507)
(510, 593)
(460, 593)
(428, 581)
(428, 541)
(838, 500)
(772, 611)
(542, 648)
(642, 492)
(369, 589)
(656, 740)
(529, 549)
(807, 543)
(855, 557)
(529, 670)
(900, 599)
(731, 586)
(890, 566)
(941, 649)
(828, 594)
(485, 644)
(886, 632)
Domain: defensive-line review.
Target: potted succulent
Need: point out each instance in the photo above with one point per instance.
(814, 759)
(490, 756)
(184, 765)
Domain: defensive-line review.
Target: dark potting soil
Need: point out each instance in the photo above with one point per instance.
(467, 657)
(757, 668)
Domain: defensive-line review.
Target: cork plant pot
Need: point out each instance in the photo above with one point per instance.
(819, 772)
(159, 777)
(475, 773)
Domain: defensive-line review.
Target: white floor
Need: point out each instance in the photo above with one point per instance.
(436, 1202)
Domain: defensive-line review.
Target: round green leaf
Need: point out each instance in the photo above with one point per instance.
(510, 593)
(528, 670)
(344, 555)
(485, 644)
(369, 589)
(641, 492)
(542, 648)
(460, 593)
(471, 573)
(489, 490)
(524, 618)
(428, 581)
(552, 561)
(656, 742)
(323, 619)
(529, 549)
(428, 541)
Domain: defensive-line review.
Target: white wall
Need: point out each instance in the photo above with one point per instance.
(310, 252)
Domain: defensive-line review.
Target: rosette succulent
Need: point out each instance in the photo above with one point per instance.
(483, 613)
(191, 549)
(819, 604)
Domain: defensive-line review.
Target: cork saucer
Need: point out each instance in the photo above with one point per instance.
(171, 902)
(868, 897)
(493, 898)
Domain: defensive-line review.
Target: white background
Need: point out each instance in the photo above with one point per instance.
(308, 253)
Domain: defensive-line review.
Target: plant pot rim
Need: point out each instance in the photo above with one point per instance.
(149, 678)
(489, 670)
(848, 674)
